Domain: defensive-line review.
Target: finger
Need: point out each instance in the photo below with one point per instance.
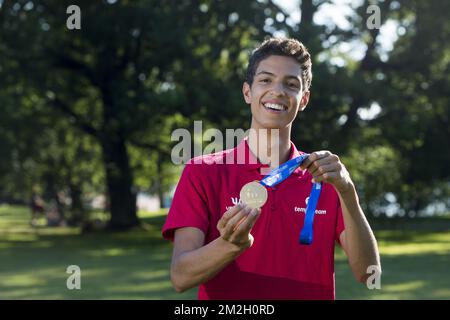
(332, 167)
(229, 227)
(310, 159)
(249, 222)
(229, 214)
(242, 219)
(238, 217)
(316, 165)
(326, 177)
(317, 155)
(239, 222)
(245, 218)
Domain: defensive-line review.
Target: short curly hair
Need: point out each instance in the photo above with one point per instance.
(281, 47)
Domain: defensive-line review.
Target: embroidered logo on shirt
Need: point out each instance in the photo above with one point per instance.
(303, 210)
(235, 201)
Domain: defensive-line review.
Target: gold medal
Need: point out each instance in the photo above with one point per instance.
(253, 194)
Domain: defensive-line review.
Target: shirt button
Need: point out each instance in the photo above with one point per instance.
(273, 207)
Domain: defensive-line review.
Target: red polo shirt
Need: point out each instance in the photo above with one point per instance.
(276, 266)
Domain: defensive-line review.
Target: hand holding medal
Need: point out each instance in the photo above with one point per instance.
(254, 194)
(236, 224)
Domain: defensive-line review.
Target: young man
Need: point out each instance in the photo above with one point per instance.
(235, 252)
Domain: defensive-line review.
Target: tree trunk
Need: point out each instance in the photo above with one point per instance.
(122, 199)
(54, 205)
(306, 33)
(77, 204)
(59, 206)
(160, 181)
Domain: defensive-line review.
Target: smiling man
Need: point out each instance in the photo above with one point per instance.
(238, 252)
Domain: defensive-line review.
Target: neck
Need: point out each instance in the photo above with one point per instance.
(270, 146)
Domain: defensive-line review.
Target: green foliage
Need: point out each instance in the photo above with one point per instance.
(84, 107)
(375, 171)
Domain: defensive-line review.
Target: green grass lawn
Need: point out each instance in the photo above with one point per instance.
(135, 265)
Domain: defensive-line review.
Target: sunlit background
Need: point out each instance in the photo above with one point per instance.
(87, 117)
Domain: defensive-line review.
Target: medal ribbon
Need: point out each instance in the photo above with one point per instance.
(280, 174)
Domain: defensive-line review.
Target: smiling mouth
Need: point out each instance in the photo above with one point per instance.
(275, 107)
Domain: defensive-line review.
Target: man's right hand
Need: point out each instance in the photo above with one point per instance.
(195, 262)
(236, 224)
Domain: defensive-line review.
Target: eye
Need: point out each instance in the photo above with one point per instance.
(264, 80)
(293, 85)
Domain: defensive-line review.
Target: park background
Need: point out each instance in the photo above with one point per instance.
(86, 118)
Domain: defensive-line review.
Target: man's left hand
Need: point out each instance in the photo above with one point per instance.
(325, 166)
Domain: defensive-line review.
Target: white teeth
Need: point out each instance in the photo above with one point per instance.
(274, 106)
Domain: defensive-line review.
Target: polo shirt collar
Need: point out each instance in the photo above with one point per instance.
(252, 162)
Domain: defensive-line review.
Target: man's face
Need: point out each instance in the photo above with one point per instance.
(276, 94)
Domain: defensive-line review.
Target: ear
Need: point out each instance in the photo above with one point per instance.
(304, 101)
(246, 91)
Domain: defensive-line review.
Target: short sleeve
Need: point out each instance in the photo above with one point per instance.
(340, 226)
(189, 206)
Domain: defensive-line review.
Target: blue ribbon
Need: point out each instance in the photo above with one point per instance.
(306, 235)
(280, 174)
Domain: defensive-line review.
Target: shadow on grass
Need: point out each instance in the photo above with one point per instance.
(423, 276)
(121, 265)
(135, 264)
(112, 266)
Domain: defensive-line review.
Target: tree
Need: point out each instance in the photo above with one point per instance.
(409, 83)
(132, 64)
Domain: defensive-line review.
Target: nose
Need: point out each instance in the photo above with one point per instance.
(277, 89)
